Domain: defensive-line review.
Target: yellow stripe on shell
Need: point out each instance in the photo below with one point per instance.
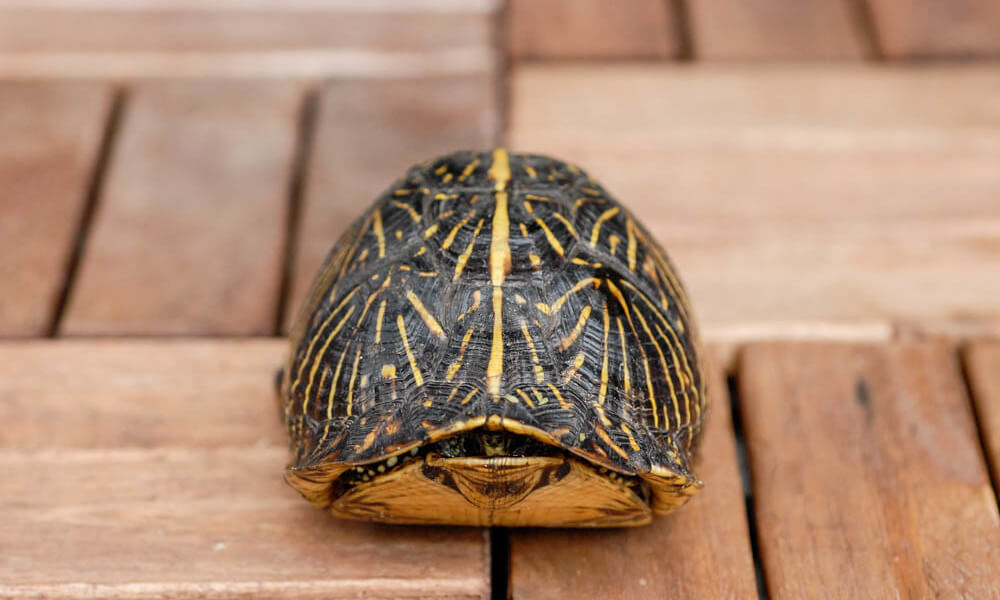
(668, 331)
(559, 396)
(414, 216)
(645, 359)
(603, 393)
(469, 168)
(666, 369)
(572, 336)
(312, 343)
(318, 359)
(605, 216)
(456, 365)
(565, 222)
(379, 233)
(499, 264)
(463, 258)
(450, 239)
(432, 324)
(378, 322)
(550, 237)
(539, 372)
(418, 377)
(350, 384)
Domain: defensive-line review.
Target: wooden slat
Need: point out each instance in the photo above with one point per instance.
(867, 473)
(133, 394)
(368, 133)
(594, 29)
(930, 29)
(154, 38)
(188, 236)
(178, 494)
(794, 199)
(983, 367)
(50, 136)
(774, 29)
(701, 551)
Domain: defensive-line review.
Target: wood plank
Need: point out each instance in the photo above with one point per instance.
(914, 29)
(50, 137)
(775, 30)
(794, 199)
(155, 38)
(867, 473)
(178, 494)
(188, 237)
(982, 363)
(702, 551)
(591, 29)
(368, 133)
(227, 383)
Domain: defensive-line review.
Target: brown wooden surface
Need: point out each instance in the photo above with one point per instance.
(835, 202)
(50, 135)
(153, 470)
(368, 132)
(144, 393)
(106, 38)
(701, 551)
(982, 363)
(793, 199)
(775, 29)
(189, 231)
(867, 474)
(592, 29)
(915, 29)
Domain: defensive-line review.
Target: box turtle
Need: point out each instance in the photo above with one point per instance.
(496, 341)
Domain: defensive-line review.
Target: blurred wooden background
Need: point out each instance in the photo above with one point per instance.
(825, 174)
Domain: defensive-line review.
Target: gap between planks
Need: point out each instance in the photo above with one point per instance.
(305, 139)
(93, 194)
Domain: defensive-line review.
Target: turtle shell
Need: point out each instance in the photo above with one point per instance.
(502, 292)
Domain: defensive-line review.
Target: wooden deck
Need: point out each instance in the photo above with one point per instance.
(168, 188)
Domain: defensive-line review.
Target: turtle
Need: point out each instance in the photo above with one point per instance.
(496, 341)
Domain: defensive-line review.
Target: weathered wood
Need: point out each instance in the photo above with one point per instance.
(775, 29)
(188, 236)
(367, 134)
(793, 199)
(983, 367)
(155, 38)
(174, 493)
(594, 29)
(50, 136)
(867, 474)
(930, 29)
(701, 551)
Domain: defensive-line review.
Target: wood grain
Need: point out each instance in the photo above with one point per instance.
(867, 473)
(775, 30)
(188, 236)
(701, 551)
(367, 134)
(921, 29)
(793, 199)
(591, 29)
(263, 38)
(150, 489)
(50, 136)
(982, 365)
